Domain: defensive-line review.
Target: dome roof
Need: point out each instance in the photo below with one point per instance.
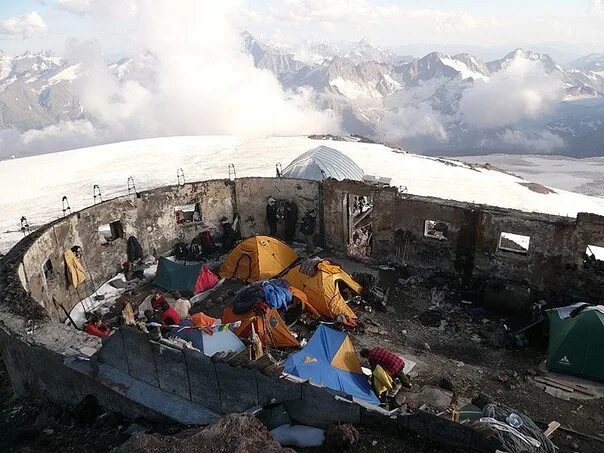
(321, 163)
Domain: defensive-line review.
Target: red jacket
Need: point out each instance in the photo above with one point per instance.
(157, 301)
(170, 317)
(389, 361)
(102, 330)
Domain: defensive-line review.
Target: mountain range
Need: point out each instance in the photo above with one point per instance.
(437, 104)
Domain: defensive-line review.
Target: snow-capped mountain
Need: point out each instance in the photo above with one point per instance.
(439, 103)
(35, 92)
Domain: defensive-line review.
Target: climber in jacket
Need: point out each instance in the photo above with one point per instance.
(94, 326)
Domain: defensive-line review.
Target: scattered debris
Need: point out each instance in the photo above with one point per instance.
(342, 436)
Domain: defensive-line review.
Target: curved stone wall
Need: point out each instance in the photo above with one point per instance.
(47, 358)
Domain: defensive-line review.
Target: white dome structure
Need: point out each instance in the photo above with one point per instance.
(321, 163)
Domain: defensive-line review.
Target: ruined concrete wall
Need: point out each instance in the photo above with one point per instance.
(400, 227)
(150, 217)
(552, 246)
(335, 209)
(252, 194)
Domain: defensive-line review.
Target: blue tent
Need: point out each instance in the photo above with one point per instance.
(173, 276)
(329, 359)
(219, 341)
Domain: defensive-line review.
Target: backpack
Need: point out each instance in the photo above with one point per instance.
(180, 251)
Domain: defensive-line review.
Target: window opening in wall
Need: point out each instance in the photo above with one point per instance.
(436, 229)
(514, 242)
(188, 213)
(360, 225)
(111, 231)
(48, 270)
(594, 258)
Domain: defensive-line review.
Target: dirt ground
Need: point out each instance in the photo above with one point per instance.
(424, 321)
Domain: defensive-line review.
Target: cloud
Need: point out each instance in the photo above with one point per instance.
(596, 7)
(520, 91)
(412, 121)
(189, 76)
(24, 27)
(543, 141)
(75, 6)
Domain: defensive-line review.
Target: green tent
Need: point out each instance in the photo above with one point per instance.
(173, 276)
(576, 341)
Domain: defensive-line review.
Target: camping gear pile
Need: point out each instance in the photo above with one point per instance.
(260, 306)
(201, 247)
(186, 278)
(514, 430)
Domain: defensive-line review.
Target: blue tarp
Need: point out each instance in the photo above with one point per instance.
(173, 276)
(313, 362)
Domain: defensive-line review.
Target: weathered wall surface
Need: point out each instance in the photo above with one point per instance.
(253, 192)
(150, 217)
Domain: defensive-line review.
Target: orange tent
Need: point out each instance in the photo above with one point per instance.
(258, 258)
(270, 327)
(322, 289)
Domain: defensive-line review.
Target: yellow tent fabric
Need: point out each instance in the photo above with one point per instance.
(258, 258)
(75, 271)
(382, 381)
(346, 359)
(322, 289)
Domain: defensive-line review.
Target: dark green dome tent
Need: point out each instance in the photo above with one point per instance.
(576, 341)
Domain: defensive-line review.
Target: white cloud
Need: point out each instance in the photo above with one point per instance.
(596, 7)
(75, 6)
(522, 90)
(201, 81)
(412, 121)
(25, 26)
(543, 141)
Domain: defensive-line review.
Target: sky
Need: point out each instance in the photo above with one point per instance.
(572, 27)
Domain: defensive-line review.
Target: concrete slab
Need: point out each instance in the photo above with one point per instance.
(171, 370)
(274, 389)
(141, 360)
(112, 352)
(238, 389)
(319, 407)
(202, 380)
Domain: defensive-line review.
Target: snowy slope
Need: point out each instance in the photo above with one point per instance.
(34, 186)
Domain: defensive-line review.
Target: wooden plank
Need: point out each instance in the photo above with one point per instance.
(557, 393)
(553, 426)
(552, 383)
(578, 387)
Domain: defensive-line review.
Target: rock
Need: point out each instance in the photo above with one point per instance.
(476, 338)
(459, 364)
(135, 428)
(372, 329)
(383, 332)
(240, 433)
(446, 384)
(341, 436)
(427, 347)
(87, 410)
(431, 318)
(434, 398)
